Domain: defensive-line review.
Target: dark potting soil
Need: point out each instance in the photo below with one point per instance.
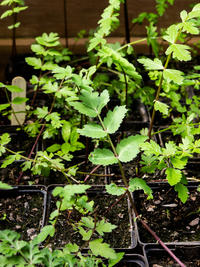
(22, 213)
(168, 262)
(172, 220)
(190, 256)
(118, 215)
(11, 173)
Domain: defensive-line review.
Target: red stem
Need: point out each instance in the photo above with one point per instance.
(32, 150)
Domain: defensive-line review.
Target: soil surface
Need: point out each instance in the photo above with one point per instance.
(118, 215)
(22, 213)
(168, 217)
(188, 255)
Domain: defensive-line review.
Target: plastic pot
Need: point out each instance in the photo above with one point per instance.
(173, 221)
(123, 237)
(23, 209)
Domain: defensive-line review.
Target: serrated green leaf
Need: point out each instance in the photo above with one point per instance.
(182, 192)
(162, 107)
(35, 62)
(102, 249)
(53, 148)
(92, 130)
(41, 112)
(76, 189)
(114, 118)
(173, 75)
(195, 12)
(92, 103)
(113, 262)
(128, 148)
(5, 139)
(83, 109)
(19, 100)
(173, 176)
(88, 222)
(38, 49)
(86, 235)
(172, 33)
(102, 157)
(149, 64)
(189, 27)
(14, 88)
(179, 51)
(140, 184)
(179, 163)
(4, 106)
(122, 64)
(170, 149)
(115, 190)
(104, 227)
(46, 231)
(62, 73)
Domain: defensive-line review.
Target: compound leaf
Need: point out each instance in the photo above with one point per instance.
(104, 227)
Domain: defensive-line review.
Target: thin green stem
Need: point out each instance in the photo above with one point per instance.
(131, 43)
(15, 153)
(160, 86)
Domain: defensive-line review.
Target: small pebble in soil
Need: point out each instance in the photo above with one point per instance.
(194, 222)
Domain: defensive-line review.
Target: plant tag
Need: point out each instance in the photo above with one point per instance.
(19, 107)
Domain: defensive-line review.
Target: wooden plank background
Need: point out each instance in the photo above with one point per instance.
(48, 16)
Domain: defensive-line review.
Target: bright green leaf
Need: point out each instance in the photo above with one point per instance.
(19, 100)
(115, 190)
(179, 51)
(92, 130)
(149, 64)
(104, 227)
(114, 118)
(14, 88)
(102, 249)
(173, 176)
(128, 148)
(162, 107)
(5, 186)
(182, 192)
(35, 62)
(140, 184)
(102, 157)
(173, 75)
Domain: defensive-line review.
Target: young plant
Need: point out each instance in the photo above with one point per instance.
(14, 252)
(15, 7)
